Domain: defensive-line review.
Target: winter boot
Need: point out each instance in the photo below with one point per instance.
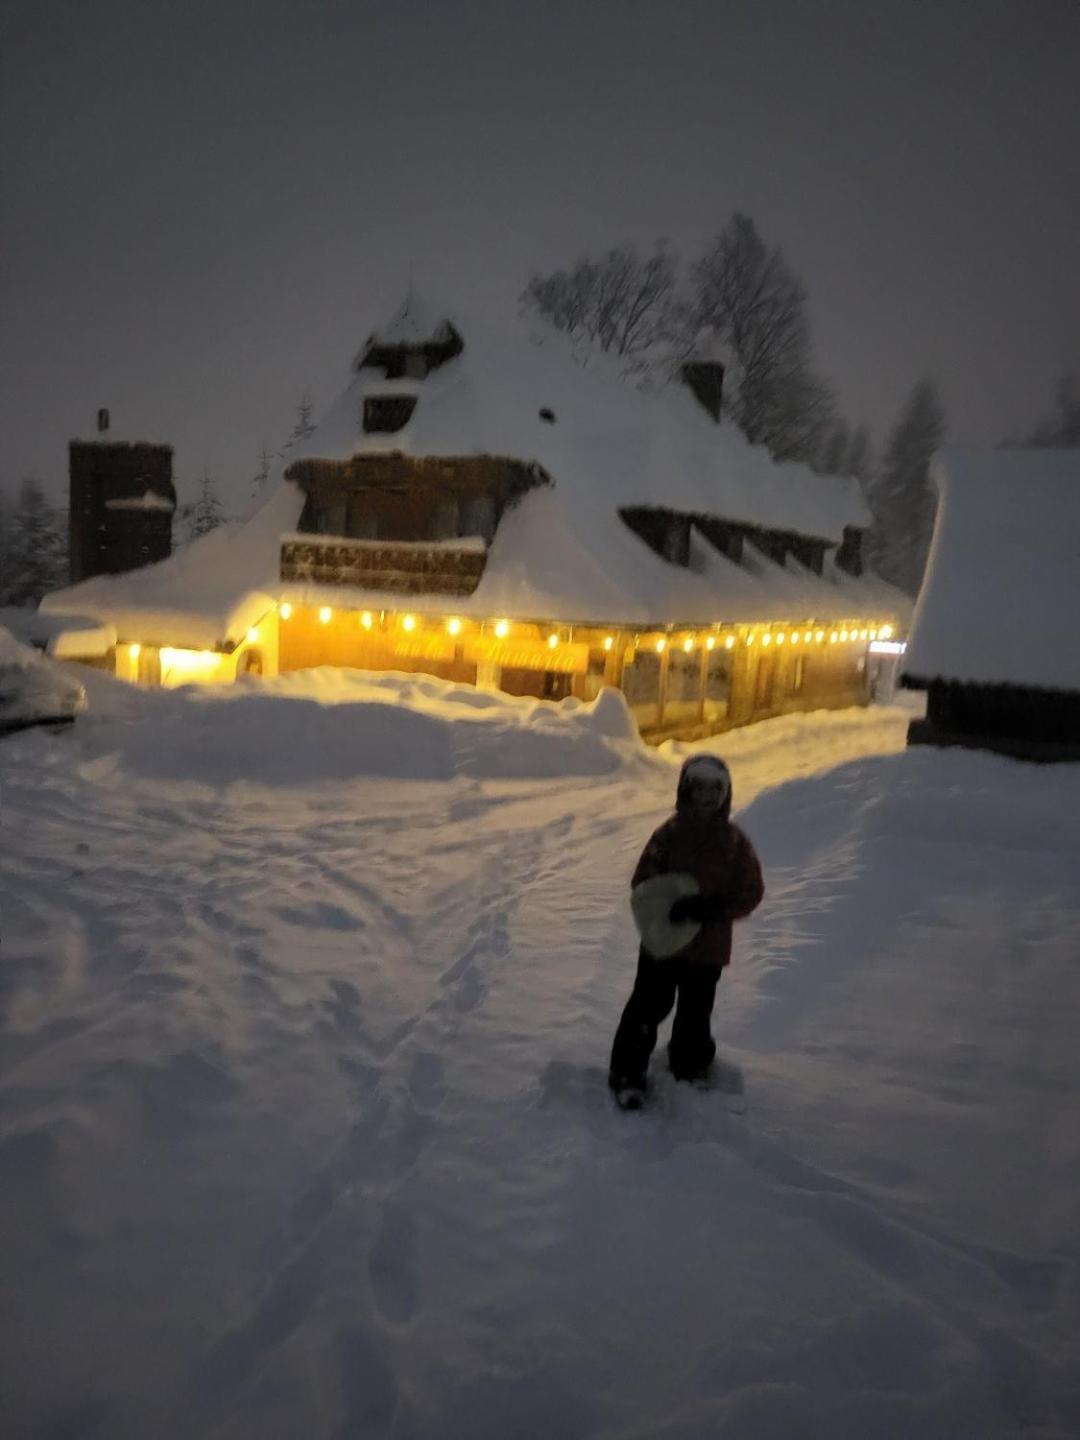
(630, 1092)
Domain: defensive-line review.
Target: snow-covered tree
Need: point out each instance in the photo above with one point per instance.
(752, 304)
(36, 549)
(900, 495)
(262, 473)
(621, 303)
(206, 514)
(833, 454)
(303, 425)
(1063, 427)
(859, 461)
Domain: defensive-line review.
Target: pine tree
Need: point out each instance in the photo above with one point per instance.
(834, 450)
(900, 497)
(262, 474)
(303, 426)
(1062, 431)
(859, 461)
(207, 513)
(36, 558)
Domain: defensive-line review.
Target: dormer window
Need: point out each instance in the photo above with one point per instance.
(664, 531)
(386, 414)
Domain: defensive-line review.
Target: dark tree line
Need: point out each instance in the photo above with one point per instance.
(33, 545)
(740, 301)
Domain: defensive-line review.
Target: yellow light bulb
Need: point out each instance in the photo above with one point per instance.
(808, 637)
(553, 640)
(885, 631)
(454, 626)
(729, 643)
(134, 651)
(819, 636)
(366, 620)
(609, 641)
(781, 637)
(750, 638)
(843, 634)
(660, 645)
(285, 610)
(873, 634)
(766, 639)
(252, 635)
(710, 643)
(408, 622)
(863, 634)
(795, 637)
(688, 645)
(502, 629)
(324, 614)
(833, 637)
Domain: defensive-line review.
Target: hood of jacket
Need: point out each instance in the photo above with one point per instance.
(705, 765)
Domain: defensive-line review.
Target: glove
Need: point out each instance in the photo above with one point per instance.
(687, 907)
(700, 908)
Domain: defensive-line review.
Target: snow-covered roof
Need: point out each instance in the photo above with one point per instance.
(616, 444)
(417, 322)
(561, 552)
(1001, 594)
(65, 637)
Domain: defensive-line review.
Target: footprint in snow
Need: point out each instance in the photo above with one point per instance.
(317, 916)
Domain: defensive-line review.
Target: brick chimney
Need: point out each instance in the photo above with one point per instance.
(706, 379)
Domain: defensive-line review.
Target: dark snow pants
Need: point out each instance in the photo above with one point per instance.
(656, 987)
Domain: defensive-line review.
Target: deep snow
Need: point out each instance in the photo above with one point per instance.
(298, 1131)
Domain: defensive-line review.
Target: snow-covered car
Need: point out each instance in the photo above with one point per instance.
(33, 689)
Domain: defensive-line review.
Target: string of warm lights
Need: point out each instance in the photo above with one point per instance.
(551, 646)
(849, 632)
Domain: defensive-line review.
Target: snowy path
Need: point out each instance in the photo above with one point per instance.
(283, 1149)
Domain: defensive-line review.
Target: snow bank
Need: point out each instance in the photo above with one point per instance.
(327, 725)
(34, 691)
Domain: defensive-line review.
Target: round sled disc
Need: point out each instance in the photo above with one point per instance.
(651, 901)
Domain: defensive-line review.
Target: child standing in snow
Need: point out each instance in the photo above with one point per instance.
(698, 841)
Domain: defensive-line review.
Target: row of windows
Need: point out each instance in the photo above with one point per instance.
(396, 517)
(668, 533)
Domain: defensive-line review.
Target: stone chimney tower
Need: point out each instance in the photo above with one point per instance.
(121, 503)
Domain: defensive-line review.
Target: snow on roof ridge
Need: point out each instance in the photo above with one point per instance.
(417, 318)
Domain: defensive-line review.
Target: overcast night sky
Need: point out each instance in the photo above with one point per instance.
(205, 206)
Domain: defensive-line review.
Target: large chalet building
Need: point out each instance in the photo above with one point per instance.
(484, 509)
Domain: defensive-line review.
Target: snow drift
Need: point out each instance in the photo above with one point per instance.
(33, 690)
(327, 725)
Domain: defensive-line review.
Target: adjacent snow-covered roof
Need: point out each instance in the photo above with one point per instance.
(561, 552)
(1001, 594)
